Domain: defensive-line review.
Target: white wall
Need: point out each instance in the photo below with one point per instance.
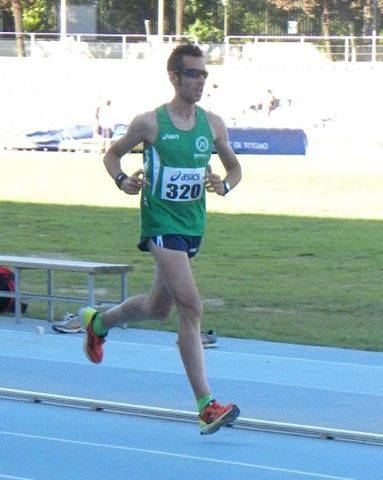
(48, 93)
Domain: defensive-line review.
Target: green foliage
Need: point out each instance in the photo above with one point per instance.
(205, 31)
(254, 24)
(201, 19)
(204, 18)
(36, 17)
(120, 16)
(340, 15)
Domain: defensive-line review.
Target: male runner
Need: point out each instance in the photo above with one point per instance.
(178, 139)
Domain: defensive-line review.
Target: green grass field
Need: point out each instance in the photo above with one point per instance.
(269, 277)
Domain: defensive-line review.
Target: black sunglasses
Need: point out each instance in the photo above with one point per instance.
(193, 72)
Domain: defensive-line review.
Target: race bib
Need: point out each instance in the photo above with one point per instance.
(182, 184)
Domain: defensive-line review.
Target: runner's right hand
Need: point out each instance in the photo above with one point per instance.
(133, 184)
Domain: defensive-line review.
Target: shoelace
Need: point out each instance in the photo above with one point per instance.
(210, 409)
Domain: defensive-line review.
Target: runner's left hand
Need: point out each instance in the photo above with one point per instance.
(213, 182)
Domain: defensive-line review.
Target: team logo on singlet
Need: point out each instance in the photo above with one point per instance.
(202, 144)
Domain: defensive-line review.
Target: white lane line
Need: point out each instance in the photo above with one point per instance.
(176, 455)
(224, 352)
(11, 477)
(217, 377)
(300, 359)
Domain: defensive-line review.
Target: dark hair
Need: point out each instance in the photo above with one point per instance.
(175, 61)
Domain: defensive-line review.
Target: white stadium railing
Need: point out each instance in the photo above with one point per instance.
(335, 48)
(242, 48)
(88, 45)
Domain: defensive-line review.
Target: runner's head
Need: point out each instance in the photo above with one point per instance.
(187, 73)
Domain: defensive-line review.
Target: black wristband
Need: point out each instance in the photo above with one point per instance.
(120, 178)
(226, 187)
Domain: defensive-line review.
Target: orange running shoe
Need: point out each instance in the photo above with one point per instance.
(93, 344)
(216, 416)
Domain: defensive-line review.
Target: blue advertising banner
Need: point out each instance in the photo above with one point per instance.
(268, 141)
(261, 141)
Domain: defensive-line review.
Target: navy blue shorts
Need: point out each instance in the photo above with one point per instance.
(183, 243)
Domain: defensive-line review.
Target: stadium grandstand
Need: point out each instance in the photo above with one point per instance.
(285, 76)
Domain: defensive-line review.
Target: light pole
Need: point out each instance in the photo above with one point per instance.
(225, 4)
(374, 17)
(62, 18)
(160, 30)
(374, 28)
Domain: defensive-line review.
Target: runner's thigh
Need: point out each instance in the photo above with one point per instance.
(176, 274)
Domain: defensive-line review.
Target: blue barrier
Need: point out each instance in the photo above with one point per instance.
(268, 141)
(51, 139)
(262, 141)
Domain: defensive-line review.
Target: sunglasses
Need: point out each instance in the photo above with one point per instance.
(194, 72)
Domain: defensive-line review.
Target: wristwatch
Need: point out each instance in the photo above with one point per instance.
(120, 178)
(226, 187)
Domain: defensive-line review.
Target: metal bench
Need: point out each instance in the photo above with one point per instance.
(17, 264)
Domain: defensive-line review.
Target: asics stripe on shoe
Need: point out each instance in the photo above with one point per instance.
(93, 344)
(209, 339)
(70, 323)
(216, 416)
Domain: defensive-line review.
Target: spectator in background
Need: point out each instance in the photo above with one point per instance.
(273, 101)
(96, 122)
(106, 123)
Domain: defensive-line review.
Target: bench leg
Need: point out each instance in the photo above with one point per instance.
(50, 287)
(17, 273)
(124, 287)
(124, 293)
(91, 295)
(50, 293)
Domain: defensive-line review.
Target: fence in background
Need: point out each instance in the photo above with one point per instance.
(297, 49)
(97, 46)
(334, 48)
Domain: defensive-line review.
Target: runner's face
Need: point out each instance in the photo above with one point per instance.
(188, 88)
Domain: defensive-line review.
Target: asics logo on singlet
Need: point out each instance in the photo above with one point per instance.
(185, 176)
(170, 136)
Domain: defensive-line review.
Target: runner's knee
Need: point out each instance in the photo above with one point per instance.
(159, 312)
(190, 310)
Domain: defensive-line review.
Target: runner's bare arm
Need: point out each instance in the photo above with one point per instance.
(143, 128)
(227, 157)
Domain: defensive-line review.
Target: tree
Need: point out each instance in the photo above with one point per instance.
(324, 8)
(17, 11)
(39, 16)
(358, 15)
(179, 16)
(201, 19)
(17, 8)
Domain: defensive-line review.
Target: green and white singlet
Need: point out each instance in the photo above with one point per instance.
(175, 165)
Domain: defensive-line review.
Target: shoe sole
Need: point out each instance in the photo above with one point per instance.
(63, 330)
(209, 345)
(228, 419)
(84, 344)
(204, 345)
(85, 341)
